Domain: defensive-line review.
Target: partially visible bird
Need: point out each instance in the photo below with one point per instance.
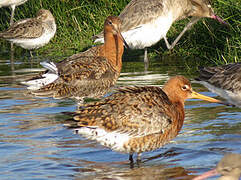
(136, 119)
(32, 33)
(224, 80)
(229, 168)
(12, 4)
(144, 23)
(87, 74)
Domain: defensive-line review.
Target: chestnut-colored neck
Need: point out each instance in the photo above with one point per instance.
(173, 95)
(113, 50)
(178, 102)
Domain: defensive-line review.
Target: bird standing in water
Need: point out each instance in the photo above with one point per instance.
(87, 74)
(136, 119)
(144, 23)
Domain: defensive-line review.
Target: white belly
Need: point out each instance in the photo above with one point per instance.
(113, 140)
(148, 34)
(35, 42)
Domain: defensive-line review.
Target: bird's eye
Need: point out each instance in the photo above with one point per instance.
(110, 22)
(185, 87)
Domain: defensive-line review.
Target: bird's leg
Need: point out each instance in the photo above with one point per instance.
(12, 14)
(12, 49)
(11, 22)
(145, 56)
(146, 66)
(187, 27)
(131, 161)
(167, 43)
(131, 158)
(12, 61)
(31, 54)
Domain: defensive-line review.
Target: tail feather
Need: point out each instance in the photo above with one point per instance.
(50, 66)
(39, 83)
(43, 79)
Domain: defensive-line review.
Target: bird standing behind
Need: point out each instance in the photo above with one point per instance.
(32, 33)
(86, 74)
(144, 23)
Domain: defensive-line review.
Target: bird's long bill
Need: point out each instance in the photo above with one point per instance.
(218, 19)
(125, 43)
(205, 175)
(206, 98)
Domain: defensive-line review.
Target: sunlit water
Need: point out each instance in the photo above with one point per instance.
(34, 144)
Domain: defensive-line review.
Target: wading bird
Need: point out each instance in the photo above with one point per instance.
(136, 119)
(87, 74)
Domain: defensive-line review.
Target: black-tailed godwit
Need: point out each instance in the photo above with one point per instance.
(144, 23)
(86, 74)
(136, 119)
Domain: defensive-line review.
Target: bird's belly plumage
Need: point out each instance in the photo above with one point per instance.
(113, 139)
(34, 43)
(148, 34)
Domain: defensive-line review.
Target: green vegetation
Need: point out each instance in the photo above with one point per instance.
(77, 21)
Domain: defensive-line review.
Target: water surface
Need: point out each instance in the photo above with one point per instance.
(34, 144)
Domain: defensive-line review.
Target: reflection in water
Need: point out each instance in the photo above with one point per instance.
(12, 59)
(107, 171)
(35, 144)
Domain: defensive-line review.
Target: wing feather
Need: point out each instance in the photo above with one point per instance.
(129, 111)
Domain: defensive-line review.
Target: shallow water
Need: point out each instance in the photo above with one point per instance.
(34, 144)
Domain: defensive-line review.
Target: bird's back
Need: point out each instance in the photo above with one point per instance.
(82, 75)
(24, 29)
(226, 77)
(131, 114)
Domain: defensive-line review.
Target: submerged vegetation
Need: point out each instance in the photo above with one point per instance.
(77, 21)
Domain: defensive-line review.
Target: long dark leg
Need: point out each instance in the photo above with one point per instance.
(131, 161)
(187, 27)
(131, 158)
